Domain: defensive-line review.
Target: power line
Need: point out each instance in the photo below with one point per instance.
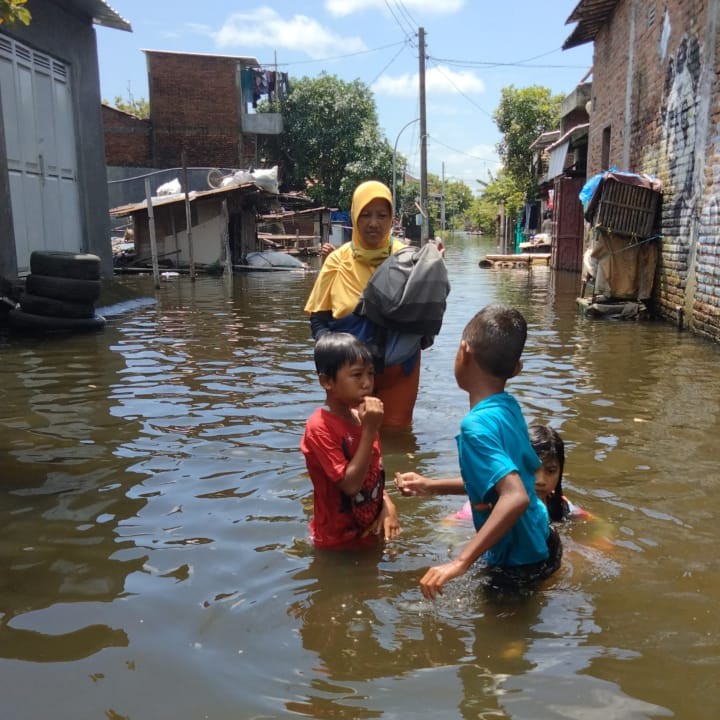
(392, 60)
(462, 152)
(467, 97)
(489, 65)
(336, 57)
(408, 33)
(517, 63)
(400, 4)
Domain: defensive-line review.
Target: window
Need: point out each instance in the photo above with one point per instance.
(605, 149)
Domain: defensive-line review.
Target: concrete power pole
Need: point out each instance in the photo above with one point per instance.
(442, 200)
(425, 227)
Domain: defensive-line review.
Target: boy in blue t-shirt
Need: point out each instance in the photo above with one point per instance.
(497, 463)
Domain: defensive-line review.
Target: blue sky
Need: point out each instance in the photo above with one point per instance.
(474, 48)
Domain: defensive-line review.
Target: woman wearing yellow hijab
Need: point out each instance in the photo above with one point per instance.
(340, 283)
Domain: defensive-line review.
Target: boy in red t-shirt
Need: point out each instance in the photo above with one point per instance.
(342, 450)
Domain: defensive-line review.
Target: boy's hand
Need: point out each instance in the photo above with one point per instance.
(371, 412)
(433, 580)
(386, 522)
(411, 483)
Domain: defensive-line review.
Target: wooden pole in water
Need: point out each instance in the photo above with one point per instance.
(188, 219)
(151, 229)
(225, 237)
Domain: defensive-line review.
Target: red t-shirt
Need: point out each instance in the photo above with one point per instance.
(334, 522)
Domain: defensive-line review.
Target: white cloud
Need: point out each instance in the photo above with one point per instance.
(266, 28)
(439, 80)
(348, 7)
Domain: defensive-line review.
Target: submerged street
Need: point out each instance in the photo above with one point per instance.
(154, 559)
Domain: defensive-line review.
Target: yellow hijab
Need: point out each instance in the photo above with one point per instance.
(346, 271)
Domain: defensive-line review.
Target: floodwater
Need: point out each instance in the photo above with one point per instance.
(154, 560)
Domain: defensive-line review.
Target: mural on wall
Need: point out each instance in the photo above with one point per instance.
(679, 126)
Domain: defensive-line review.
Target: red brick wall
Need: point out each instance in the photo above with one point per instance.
(127, 139)
(195, 105)
(674, 133)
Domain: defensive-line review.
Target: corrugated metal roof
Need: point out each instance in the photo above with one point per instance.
(159, 200)
(99, 11)
(572, 134)
(590, 15)
(545, 139)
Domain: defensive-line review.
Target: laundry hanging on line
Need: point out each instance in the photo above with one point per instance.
(257, 82)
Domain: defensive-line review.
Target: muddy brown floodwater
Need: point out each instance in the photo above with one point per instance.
(154, 560)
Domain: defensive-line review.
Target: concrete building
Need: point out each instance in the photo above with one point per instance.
(53, 191)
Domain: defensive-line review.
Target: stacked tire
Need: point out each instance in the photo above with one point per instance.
(60, 293)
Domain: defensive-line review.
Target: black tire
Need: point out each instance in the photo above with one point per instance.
(38, 305)
(63, 288)
(81, 266)
(28, 322)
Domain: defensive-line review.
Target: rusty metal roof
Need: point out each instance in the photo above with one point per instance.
(160, 200)
(590, 15)
(574, 133)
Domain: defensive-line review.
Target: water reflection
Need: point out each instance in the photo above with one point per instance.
(60, 506)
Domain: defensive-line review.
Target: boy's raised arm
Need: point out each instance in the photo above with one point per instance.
(511, 504)
(371, 417)
(412, 483)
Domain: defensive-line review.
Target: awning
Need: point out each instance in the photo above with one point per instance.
(557, 160)
(101, 14)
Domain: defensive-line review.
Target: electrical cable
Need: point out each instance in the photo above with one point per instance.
(336, 57)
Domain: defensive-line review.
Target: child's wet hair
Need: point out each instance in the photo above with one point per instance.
(335, 350)
(547, 443)
(496, 337)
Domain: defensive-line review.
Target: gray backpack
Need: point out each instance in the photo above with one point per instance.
(408, 293)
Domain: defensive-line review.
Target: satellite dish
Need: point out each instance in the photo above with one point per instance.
(214, 178)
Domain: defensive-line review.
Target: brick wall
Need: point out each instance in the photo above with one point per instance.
(195, 106)
(673, 132)
(127, 139)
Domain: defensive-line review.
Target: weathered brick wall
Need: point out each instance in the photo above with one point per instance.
(195, 105)
(673, 127)
(127, 139)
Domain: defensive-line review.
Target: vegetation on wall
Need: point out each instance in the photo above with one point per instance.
(12, 11)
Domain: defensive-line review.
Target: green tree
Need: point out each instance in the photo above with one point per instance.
(458, 201)
(482, 215)
(331, 139)
(140, 108)
(500, 190)
(522, 115)
(12, 11)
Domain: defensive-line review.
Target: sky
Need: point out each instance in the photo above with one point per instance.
(474, 48)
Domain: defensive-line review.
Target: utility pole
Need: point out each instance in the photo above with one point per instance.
(424, 228)
(442, 200)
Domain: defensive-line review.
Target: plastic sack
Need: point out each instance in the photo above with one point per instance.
(239, 177)
(267, 179)
(172, 187)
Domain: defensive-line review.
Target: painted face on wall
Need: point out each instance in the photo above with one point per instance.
(679, 119)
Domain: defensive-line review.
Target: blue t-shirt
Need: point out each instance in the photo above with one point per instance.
(492, 443)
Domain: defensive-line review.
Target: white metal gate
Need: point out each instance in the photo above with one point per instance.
(40, 145)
